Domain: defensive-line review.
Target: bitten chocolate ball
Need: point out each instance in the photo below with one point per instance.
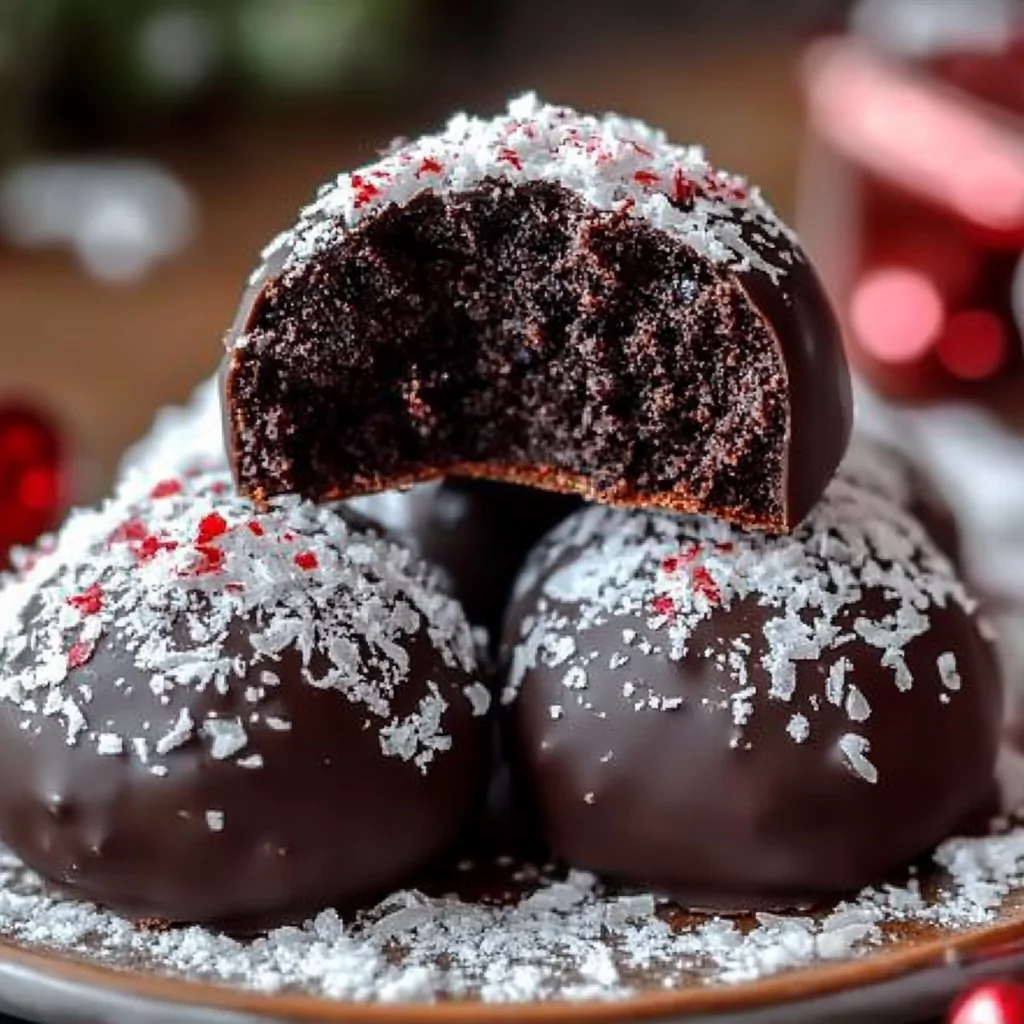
(477, 532)
(886, 471)
(547, 298)
(213, 714)
(749, 721)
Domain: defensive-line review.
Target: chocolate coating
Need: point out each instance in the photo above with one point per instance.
(515, 330)
(680, 720)
(312, 789)
(478, 532)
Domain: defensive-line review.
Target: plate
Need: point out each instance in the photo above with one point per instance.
(912, 976)
(908, 982)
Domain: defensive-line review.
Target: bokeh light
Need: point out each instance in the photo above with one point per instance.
(974, 344)
(897, 314)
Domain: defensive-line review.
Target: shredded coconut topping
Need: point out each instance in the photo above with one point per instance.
(669, 574)
(565, 938)
(166, 578)
(182, 440)
(613, 163)
(879, 469)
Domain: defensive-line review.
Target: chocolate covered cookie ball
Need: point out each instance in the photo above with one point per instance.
(214, 714)
(746, 721)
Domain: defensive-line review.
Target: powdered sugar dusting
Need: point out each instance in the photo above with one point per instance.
(663, 576)
(565, 938)
(169, 575)
(613, 163)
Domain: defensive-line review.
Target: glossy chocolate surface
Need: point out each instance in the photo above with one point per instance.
(702, 773)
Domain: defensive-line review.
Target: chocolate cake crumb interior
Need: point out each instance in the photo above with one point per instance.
(514, 326)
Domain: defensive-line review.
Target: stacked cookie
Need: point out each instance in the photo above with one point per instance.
(726, 672)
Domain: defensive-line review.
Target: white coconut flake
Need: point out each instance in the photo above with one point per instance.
(855, 749)
(479, 698)
(948, 671)
(227, 737)
(799, 728)
(857, 707)
(178, 734)
(109, 743)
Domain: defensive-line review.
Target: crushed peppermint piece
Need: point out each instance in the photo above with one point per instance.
(215, 821)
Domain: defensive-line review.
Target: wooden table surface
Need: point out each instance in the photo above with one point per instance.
(105, 357)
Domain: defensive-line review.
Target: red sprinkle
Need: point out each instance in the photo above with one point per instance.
(255, 528)
(510, 156)
(166, 489)
(212, 560)
(429, 165)
(366, 191)
(210, 527)
(725, 548)
(288, 536)
(151, 545)
(89, 602)
(686, 555)
(306, 560)
(79, 654)
(683, 190)
(703, 583)
(663, 605)
(647, 178)
(132, 530)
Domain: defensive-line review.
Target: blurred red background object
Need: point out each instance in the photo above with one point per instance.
(913, 198)
(33, 485)
(990, 1004)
